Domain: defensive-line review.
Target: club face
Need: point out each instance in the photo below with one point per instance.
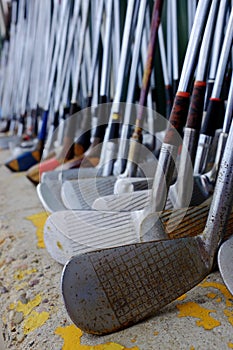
(123, 202)
(49, 195)
(225, 263)
(80, 194)
(69, 233)
(107, 290)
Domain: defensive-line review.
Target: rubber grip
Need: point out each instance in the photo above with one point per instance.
(101, 127)
(74, 108)
(84, 140)
(169, 98)
(56, 119)
(114, 130)
(214, 117)
(196, 106)
(88, 101)
(177, 119)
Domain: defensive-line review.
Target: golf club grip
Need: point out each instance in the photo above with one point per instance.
(155, 22)
(196, 106)
(114, 126)
(177, 118)
(214, 117)
(101, 124)
(168, 96)
(74, 108)
(56, 119)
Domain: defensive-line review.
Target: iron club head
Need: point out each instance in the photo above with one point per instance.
(225, 263)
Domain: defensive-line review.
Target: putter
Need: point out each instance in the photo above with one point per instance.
(225, 263)
(110, 289)
(66, 227)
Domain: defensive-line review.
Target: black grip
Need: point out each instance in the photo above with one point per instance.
(169, 98)
(56, 119)
(103, 109)
(84, 140)
(177, 119)
(74, 108)
(214, 117)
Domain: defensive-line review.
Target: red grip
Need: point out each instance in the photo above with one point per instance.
(196, 106)
(177, 118)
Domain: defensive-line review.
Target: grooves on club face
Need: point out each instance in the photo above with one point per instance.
(105, 291)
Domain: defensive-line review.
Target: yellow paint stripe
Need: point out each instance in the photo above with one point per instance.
(26, 308)
(191, 309)
(72, 338)
(20, 274)
(34, 321)
(222, 288)
(38, 221)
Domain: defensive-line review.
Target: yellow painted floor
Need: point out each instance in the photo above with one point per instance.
(31, 305)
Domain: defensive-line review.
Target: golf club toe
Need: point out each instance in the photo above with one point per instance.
(85, 299)
(58, 245)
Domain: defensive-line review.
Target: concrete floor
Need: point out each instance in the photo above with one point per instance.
(31, 305)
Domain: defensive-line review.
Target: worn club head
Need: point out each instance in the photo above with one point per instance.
(24, 161)
(225, 263)
(107, 290)
(82, 193)
(49, 189)
(123, 202)
(63, 237)
(49, 194)
(68, 233)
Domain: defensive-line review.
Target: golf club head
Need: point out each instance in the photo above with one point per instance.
(81, 193)
(123, 202)
(49, 194)
(225, 263)
(68, 233)
(203, 188)
(24, 161)
(110, 289)
(130, 184)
